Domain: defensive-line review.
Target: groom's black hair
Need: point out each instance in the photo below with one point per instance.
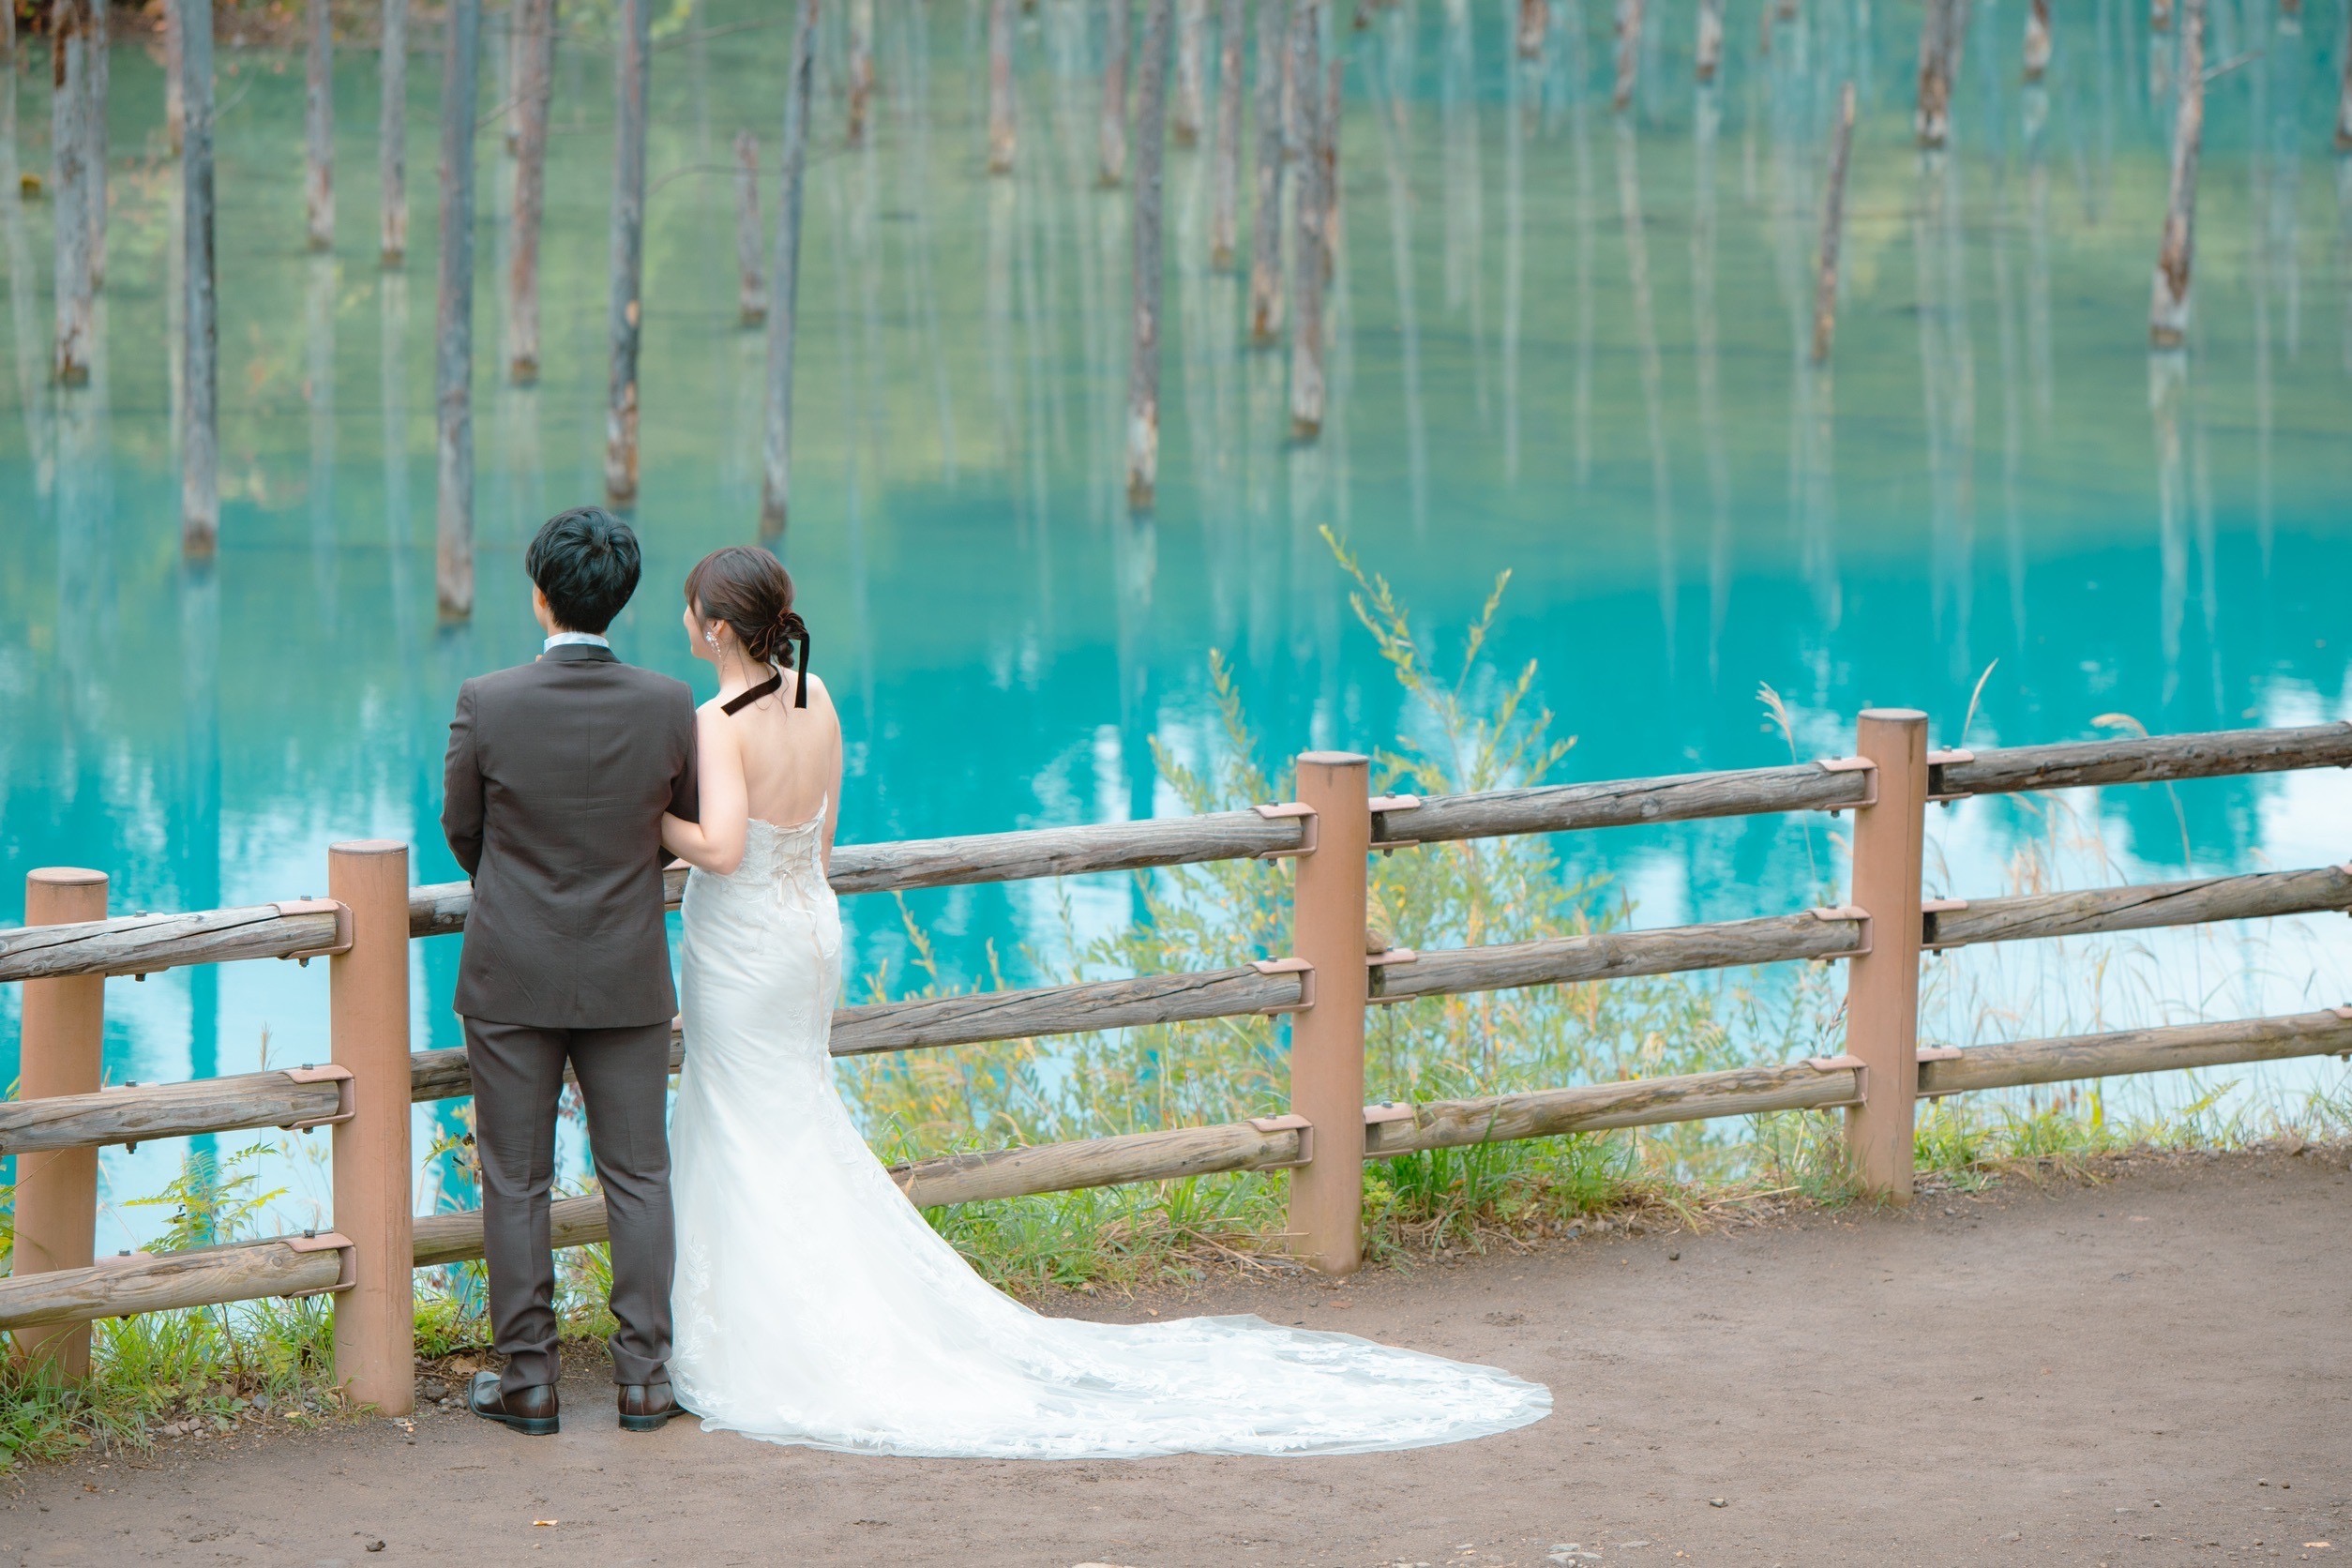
(585, 561)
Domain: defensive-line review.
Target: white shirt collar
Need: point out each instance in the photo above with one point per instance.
(562, 637)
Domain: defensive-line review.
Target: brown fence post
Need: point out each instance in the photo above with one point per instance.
(1327, 1036)
(56, 1189)
(1882, 985)
(374, 1319)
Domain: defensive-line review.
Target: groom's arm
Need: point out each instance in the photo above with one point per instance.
(461, 787)
(685, 793)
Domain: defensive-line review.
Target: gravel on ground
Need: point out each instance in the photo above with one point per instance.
(2151, 1367)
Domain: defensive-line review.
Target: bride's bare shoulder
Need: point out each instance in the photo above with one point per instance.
(820, 700)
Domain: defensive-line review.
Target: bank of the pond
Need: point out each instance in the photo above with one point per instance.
(1980, 1374)
(225, 1372)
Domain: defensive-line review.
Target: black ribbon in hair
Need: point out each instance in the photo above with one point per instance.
(796, 631)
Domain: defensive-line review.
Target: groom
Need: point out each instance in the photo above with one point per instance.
(557, 777)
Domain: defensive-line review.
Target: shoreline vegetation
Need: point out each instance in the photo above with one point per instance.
(220, 1370)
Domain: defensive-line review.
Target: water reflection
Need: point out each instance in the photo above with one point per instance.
(1705, 124)
(1006, 645)
(1653, 373)
(24, 289)
(318, 394)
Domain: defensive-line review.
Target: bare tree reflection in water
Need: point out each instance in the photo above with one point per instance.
(1522, 91)
(910, 59)
(2168, 375)
(83, 499)
(1707, 117)
(1947, 386)
(1465, 215)
(1580, 146)
(855, 402)
(24, 288)
(1391, 99)
(1653, 373)
(318, 393)
(2035, 111)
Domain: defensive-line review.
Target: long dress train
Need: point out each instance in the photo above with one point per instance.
(815, 1306)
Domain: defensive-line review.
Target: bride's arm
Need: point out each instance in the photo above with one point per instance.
(833, 780)
(716, 843)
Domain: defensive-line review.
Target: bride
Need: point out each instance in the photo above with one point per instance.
(813, 1305)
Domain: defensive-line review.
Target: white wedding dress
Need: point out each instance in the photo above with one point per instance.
(815, 1306)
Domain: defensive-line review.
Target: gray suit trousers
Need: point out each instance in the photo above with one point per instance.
(623, 1078)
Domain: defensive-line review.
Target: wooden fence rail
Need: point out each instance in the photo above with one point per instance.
(134, 1114)
(1887, 788)
(212, 1275)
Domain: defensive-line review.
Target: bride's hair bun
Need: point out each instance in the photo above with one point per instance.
(751, 590)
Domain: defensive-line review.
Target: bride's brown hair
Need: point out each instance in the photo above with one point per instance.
(751, 590)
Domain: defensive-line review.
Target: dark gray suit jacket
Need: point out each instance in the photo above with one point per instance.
(557, 777)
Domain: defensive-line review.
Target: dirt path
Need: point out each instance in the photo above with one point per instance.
(2151, 1371)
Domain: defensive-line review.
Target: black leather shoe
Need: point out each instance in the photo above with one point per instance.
(528, 1411)
(646, 1407)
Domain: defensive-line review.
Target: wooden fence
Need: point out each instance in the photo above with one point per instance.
(364, 1089)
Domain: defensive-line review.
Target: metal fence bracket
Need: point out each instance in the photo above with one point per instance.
(1300, 1124)
(1300, 966)
(1860, 1068)
(1305, 813)
(346, 1095)
(1927, 913)
(1380, 805)
(1847, 911)
(328, 1240)
(340, 945)
(1936, 792)
(1852, 764)
(1376, 965)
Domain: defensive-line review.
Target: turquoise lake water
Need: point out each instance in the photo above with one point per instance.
(1568, 344)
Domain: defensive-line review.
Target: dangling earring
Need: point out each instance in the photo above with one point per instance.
(711, 637)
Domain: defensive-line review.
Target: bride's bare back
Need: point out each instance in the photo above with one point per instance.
(791, 757)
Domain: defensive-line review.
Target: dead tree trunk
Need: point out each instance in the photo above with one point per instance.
(69, 177)
(453, 327)
(199, 425)
(392, 137)
(861, 66)
(2168, 307)
(1265, 218)
(1192, 21)
(318, 129)
(626, 323)
(97, 83)
(1628, 53)
(1708, 55)
(1314, 209)
(1111, 136)
(2160, 16)
(1327, 154)
(1833, 226)
(1932, 122)
(1002, 128)
(783, 308)
(175, 104)
(752, 290)
(1143, 369)
(2036, 39)
(1534, 18)
(1225, 169)
(2343, 106)
(534, 49)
